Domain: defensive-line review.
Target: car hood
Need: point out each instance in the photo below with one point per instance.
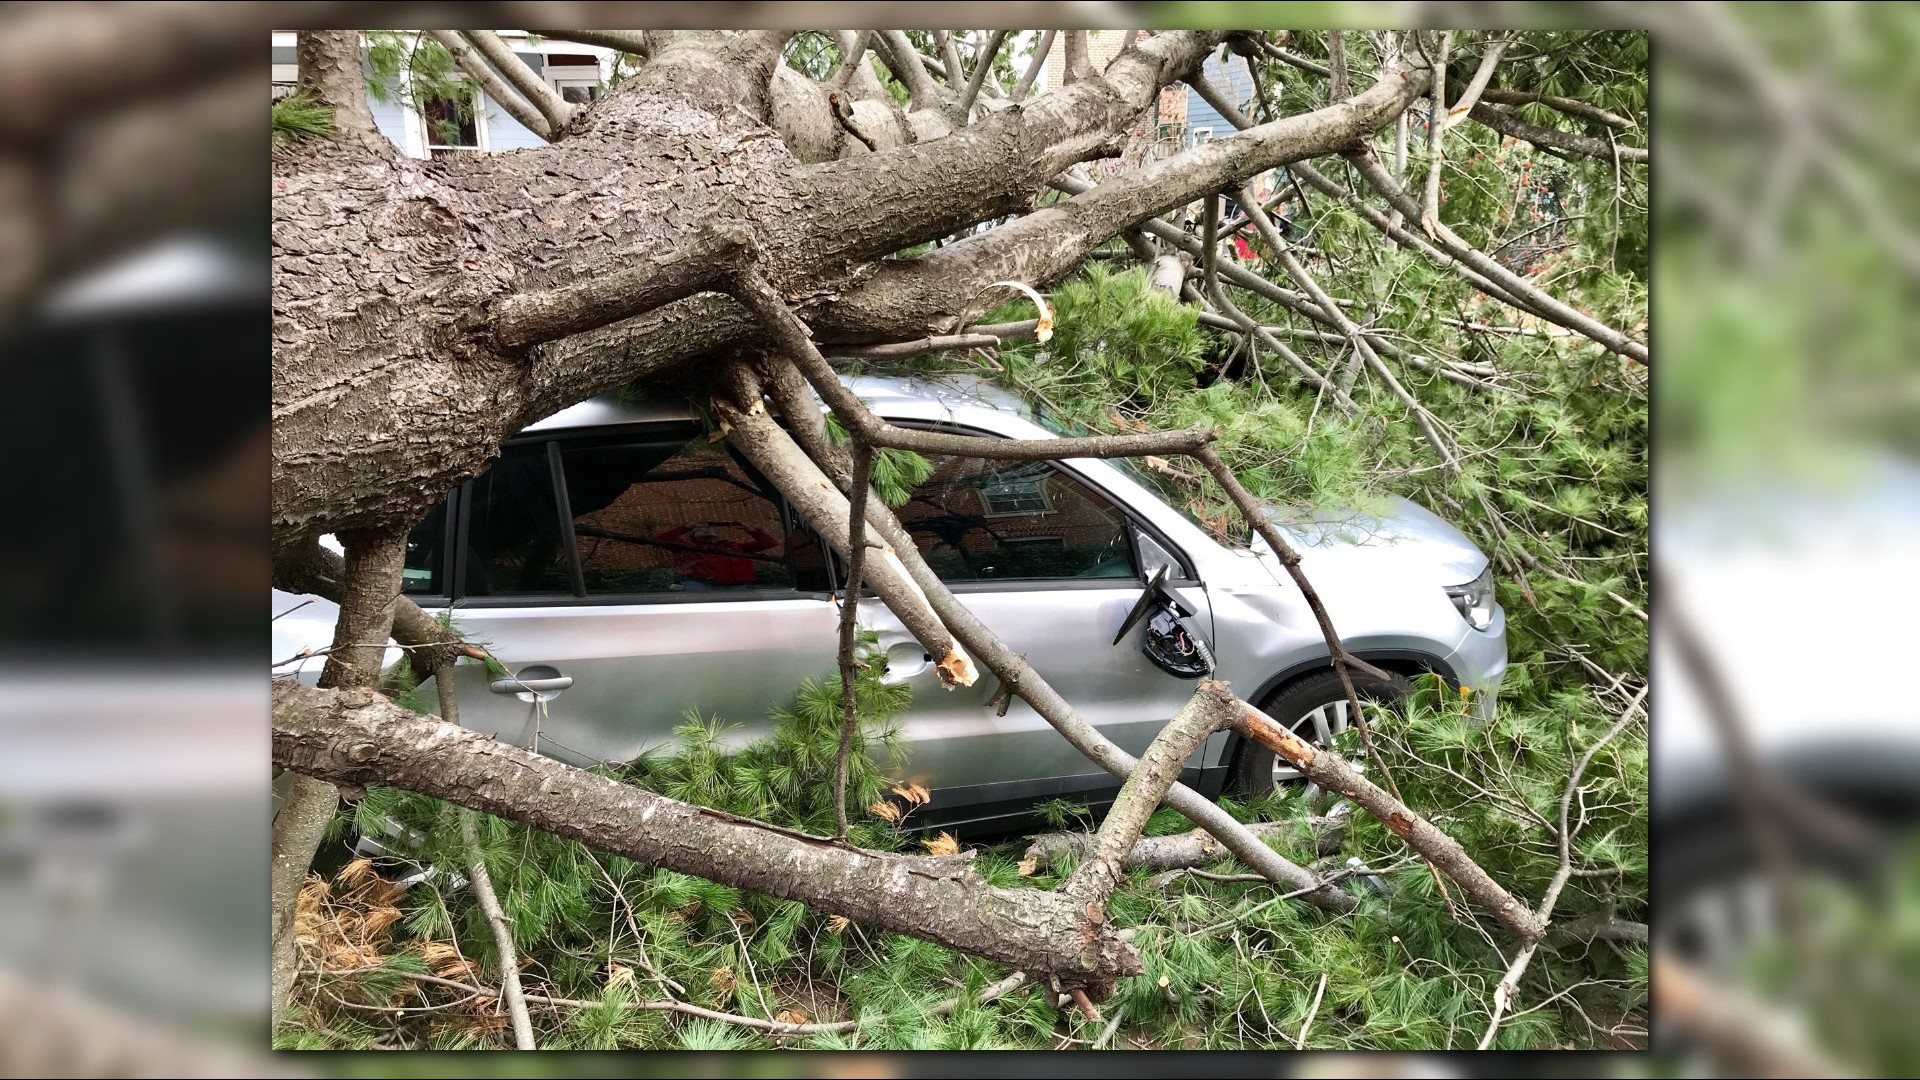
(1400, 529)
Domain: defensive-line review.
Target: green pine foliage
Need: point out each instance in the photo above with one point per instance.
(297, 117)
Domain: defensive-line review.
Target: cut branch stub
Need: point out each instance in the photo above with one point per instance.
(359, 737)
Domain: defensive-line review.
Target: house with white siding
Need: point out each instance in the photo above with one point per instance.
(431, 128)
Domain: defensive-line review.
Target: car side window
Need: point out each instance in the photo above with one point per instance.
(980, 520)
(426, 550)
(514, 544)
(680, 515)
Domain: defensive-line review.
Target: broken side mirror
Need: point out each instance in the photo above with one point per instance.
(1173, 643)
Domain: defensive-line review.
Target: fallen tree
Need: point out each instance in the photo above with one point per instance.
(695, 226)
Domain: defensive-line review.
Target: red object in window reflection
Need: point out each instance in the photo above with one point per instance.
(708, 565)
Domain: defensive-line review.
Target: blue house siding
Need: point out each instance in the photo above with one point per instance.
(503, 131)
(391, 118)
(1234, 78)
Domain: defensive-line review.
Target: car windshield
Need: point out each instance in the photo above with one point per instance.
(1157, 483)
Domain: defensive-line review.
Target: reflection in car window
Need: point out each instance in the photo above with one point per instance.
(680, 516)
(977, 520)
(425, 544)
(513, 529)
(1160, 485)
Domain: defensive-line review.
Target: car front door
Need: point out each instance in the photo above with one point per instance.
(1051, 565)
(630, 580)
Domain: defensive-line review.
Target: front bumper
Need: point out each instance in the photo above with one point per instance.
(1479, 662)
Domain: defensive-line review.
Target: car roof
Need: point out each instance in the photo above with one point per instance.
(905, 396)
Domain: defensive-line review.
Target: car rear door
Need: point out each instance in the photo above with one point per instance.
(1051, 564)
(630, 579)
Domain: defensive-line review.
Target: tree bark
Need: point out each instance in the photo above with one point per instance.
(330, 74)
(1211, 708)
(938, 290)
(382, 262)
(1184, 850)
(356, 736)
(370, 588)
(312, 569)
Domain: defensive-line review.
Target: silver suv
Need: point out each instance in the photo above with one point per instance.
(628, 571)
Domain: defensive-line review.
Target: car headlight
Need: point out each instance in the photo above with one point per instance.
(1474, 600)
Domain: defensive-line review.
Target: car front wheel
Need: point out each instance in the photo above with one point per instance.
(1316, 709)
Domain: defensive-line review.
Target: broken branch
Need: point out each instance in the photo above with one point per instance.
(1327, 769)
(465, 55)
(357, 736)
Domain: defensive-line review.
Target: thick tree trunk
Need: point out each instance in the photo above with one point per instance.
(357, 736)
(370, 591)
(390, 272)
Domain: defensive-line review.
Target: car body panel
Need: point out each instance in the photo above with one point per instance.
(639, 669)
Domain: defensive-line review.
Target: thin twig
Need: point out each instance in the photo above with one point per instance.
(1300, 1043)
(483, 886)
(990, 993)
(1510, 982)
(849, 607)
(1421, 418)
(1034, 67)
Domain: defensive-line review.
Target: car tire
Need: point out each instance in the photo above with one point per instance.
(1254, 773)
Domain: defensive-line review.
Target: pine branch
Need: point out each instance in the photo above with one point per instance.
(558, 112)
(469, 60)
(849, 608)
(1534, 298)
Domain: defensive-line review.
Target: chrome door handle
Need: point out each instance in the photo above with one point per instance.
(534, 686)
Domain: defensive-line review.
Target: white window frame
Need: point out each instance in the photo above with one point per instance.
(1202, 136)
(419, 132)
(573, 75)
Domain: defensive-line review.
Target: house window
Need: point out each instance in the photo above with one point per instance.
(977, 520)
(452, 125)
(1015, 494)
(1202, 136)
(575, 76)
(578, 91)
